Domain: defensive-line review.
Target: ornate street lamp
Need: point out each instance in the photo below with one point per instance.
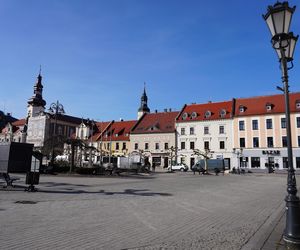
(91, 123)
(54, 110)
(278, 19)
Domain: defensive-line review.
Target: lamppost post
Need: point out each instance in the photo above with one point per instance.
(92, 123)
(278, 19)
(54, 110)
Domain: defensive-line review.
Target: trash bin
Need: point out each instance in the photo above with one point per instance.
(271, 169)
(32, 178)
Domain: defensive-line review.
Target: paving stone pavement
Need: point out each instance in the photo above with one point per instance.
(156, 211)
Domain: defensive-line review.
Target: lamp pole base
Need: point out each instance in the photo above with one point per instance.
(292, 229)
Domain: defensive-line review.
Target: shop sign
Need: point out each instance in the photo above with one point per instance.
(271, 152)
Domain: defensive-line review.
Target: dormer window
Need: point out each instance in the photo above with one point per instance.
(222, 113)
(117, 135)
(242, 109)
(194, 115)
(298, 104)
(269, 106)
(207, 114)
(185, 116)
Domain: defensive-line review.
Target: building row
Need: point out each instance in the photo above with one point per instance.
(245, 132)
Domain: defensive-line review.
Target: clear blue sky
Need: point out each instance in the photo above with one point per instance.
(96, 55)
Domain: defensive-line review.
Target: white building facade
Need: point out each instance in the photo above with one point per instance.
(205, 128)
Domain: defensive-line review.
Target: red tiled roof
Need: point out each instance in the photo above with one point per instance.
(119, 131)
(257, 105)
(214, 111)
(156, 123)
(101, 127)
(20, 122)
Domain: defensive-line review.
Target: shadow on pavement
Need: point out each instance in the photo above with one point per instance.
(54, 184)
(138, 192)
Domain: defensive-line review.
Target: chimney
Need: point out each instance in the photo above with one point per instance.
(165, 110)
(155, 110)
(170, 109)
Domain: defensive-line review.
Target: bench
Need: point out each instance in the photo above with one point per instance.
(9, 180)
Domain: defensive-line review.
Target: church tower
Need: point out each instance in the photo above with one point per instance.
(36, 104)
(144, 106)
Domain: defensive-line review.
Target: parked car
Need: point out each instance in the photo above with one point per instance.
(178, 167)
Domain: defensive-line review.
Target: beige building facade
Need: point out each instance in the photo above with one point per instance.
(259, 128)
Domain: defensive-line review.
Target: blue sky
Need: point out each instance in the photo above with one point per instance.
(96, 55)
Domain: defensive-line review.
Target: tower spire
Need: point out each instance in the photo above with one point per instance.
(144, 103)
(36, 103)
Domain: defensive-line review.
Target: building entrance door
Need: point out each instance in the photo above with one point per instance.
(166, 161)
(192, 162)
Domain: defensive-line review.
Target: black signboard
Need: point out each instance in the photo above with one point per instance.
(15, 157)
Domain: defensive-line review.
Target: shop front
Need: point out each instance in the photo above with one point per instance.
(275, 158)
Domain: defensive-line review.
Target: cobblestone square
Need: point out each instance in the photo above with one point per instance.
(156, 211)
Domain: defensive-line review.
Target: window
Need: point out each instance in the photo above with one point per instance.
(270, 142)
(192, 145)
(182, 145)
(221, 130)
(60, 130)
(124, 146)
(269, 106)
(222, 113)
(117, 146)
(222, 144)
(298, 122)
(146, 146)
(206, 145)
(156, 145)
(284, 141)
(242, 109)
(182, 131)
(285, 162)
(254, 124)
(207, 114)
(269, 124)
(192, 130)
(283, 122)
(194, 115)
(242, 142)
(298, 141)
(206, 130)
(241, 125)
(255, 162)
(297, 162)
(136, 146)
(166, 145)
(185, 116)
(255, 142)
